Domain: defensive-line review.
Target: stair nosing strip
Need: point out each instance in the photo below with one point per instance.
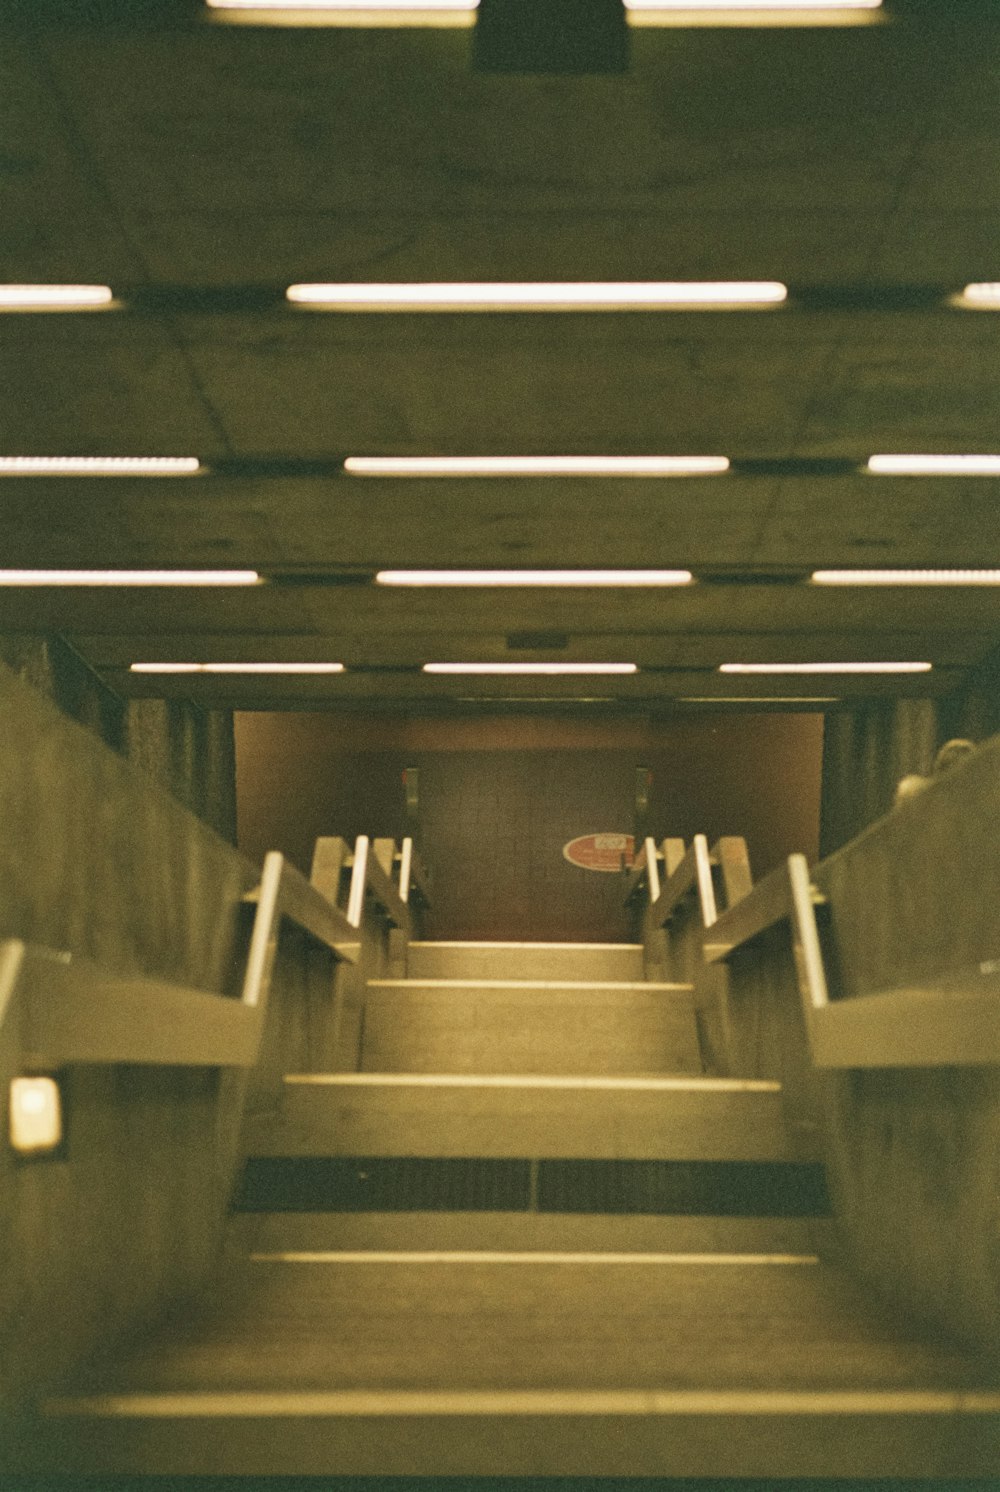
(527, 1402)
(648, 985)
(534, 947)
(517, 1256)
(531, 1080)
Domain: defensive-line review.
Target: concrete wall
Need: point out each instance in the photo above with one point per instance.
(98, 862)
(177, 744)
(911, 1153)
(869, 746)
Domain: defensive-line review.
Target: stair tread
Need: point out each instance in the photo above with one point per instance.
(404, 1114)
(514, 943)
(425, 1322)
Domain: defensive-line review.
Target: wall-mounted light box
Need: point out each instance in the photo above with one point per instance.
(35, 1116)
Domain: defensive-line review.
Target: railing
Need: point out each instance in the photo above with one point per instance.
(649, 866)
(285, 892)
(951, 1021)
(678, 910)
(72, 1011)
(93, 1149)
(869, 986)
(373, 864)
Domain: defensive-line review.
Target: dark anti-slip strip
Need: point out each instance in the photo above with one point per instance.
(406, 1184)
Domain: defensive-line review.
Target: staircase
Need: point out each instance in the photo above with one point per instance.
(529, 1236)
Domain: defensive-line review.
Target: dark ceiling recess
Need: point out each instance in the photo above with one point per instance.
(550, 36)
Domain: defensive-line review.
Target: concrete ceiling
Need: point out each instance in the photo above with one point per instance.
(199, 169)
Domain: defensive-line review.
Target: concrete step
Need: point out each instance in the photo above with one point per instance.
(522, 1026)
(601, 961)
(531, 1364)
(592, 1118)
(545, 1231)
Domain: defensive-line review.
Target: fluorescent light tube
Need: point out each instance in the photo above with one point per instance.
(538, 668)
(99, 466)
(710, 5)
(360, 13)
(906, 577)
(753, 12)
(342, 4)
(54, 297)
(759, 699)
(564, 295)
(934, 466)
(825, 667)
(982, 297)
(255, 668)
(129, 577)
(534, 577)
(541, 699)
(536, 466)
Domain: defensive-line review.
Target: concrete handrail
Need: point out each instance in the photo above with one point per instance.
(948, 1022)
(71, 1010)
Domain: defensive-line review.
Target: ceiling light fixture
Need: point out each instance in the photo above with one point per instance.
(934, 466)
(769, 668)
(536, 466)
(129, 577)
(527, 668)
(99, 466)
(360, 13)
(55, 297)
(759, 699)
(982, 297)
(906, 577)
(564, 295)
(478, 578)
(251, 668)
(753, 12)
(752, 4)
(537, 699)
(342, 4)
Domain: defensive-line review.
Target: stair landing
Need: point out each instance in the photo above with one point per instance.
(513, 1363)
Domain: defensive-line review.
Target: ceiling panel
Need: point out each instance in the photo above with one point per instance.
(195, 155)
(350, 523)
(98, 383)
(118, 620)
(56, 223)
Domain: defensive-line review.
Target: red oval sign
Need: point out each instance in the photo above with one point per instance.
(607, 852)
